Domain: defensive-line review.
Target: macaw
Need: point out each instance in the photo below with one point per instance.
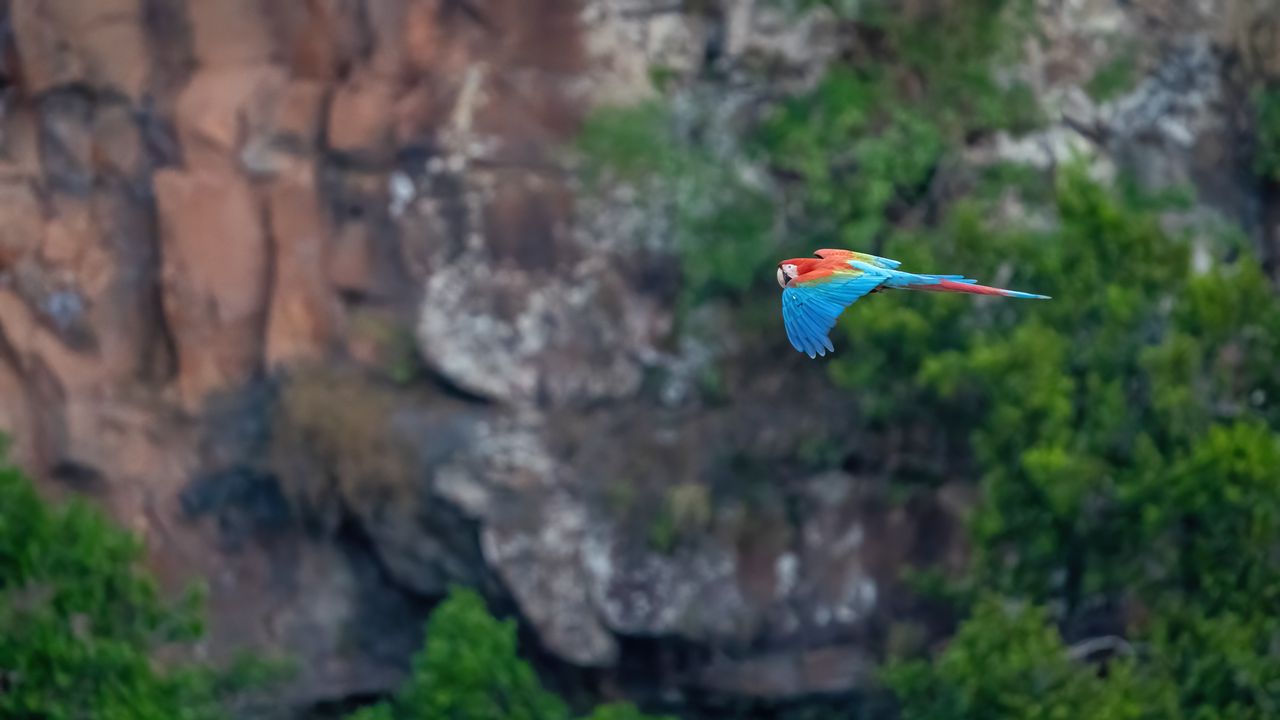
(815, 291)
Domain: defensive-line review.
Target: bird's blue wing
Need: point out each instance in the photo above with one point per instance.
(809, 310)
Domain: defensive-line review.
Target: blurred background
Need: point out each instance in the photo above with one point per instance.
(422, 359)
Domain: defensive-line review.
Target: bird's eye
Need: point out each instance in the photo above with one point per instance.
(782, 277)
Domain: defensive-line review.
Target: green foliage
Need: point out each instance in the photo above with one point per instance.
(1126, 434)
(1214, 498)
(631, 142)
(1221, 666)
(853, 162)
(947, 49)
(863, 142)
(868, 139)
(1134, 369)
(1266, 103)
(469, 670)
(620, 711)
(721, 220)
(388, 342)
(685, 510)
(1008, 661)
(80, 621)
(1115, 77)
(333, 441)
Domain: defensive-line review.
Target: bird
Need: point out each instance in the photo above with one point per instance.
(817, 290)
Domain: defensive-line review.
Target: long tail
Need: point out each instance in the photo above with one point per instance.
(959, 284)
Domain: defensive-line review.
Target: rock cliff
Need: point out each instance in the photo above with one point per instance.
(307, 294)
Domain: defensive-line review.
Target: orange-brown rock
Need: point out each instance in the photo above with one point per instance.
(21, 220)
(350, 262)
(422, 36)
(100, 43)
(115, 268)
(417, 111)
(525, 27)
(361, 116)
(319, 38)
(114, 44)
(72, 234)
(299, 113)
(219, 108)
(230, 32)
(302, 320)
(20, 143)
(386, 22)
(47, 57)
(35, 345)
(16, 415)
(214, 279)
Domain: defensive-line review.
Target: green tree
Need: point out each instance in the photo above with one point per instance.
(1008, 661)
(80, 621)
(1127, 444)
(469, 670)
(1124, 436)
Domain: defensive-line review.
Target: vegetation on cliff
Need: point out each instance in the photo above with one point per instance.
(82, 626)
(1125, 445)
(469, 670)
(84, 633)
(1124, 437)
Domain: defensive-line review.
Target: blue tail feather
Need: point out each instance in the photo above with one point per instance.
(1028, 296)
(897, 278)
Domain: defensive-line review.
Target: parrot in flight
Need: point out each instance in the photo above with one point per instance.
(815, 291)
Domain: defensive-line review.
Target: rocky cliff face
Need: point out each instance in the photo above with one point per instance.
(305, 292)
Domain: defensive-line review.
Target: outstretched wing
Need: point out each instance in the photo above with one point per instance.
(810, 309)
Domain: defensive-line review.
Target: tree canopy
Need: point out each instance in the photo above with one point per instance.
(81, 621)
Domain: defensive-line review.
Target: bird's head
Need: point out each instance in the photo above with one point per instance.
(786, 272)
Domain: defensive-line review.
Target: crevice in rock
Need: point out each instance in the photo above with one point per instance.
(270, 270)
(450, 389)
(160, 359)
(46, 412)
(246, 503)
(82, 478)
(470, 10)
(364, 31)
(35, 432)
(66, 114)
(158, 137)
(340, 708)
(1269, 198)
(170, 37)
(648, 667)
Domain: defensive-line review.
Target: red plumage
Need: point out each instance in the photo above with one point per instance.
(953, 286)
